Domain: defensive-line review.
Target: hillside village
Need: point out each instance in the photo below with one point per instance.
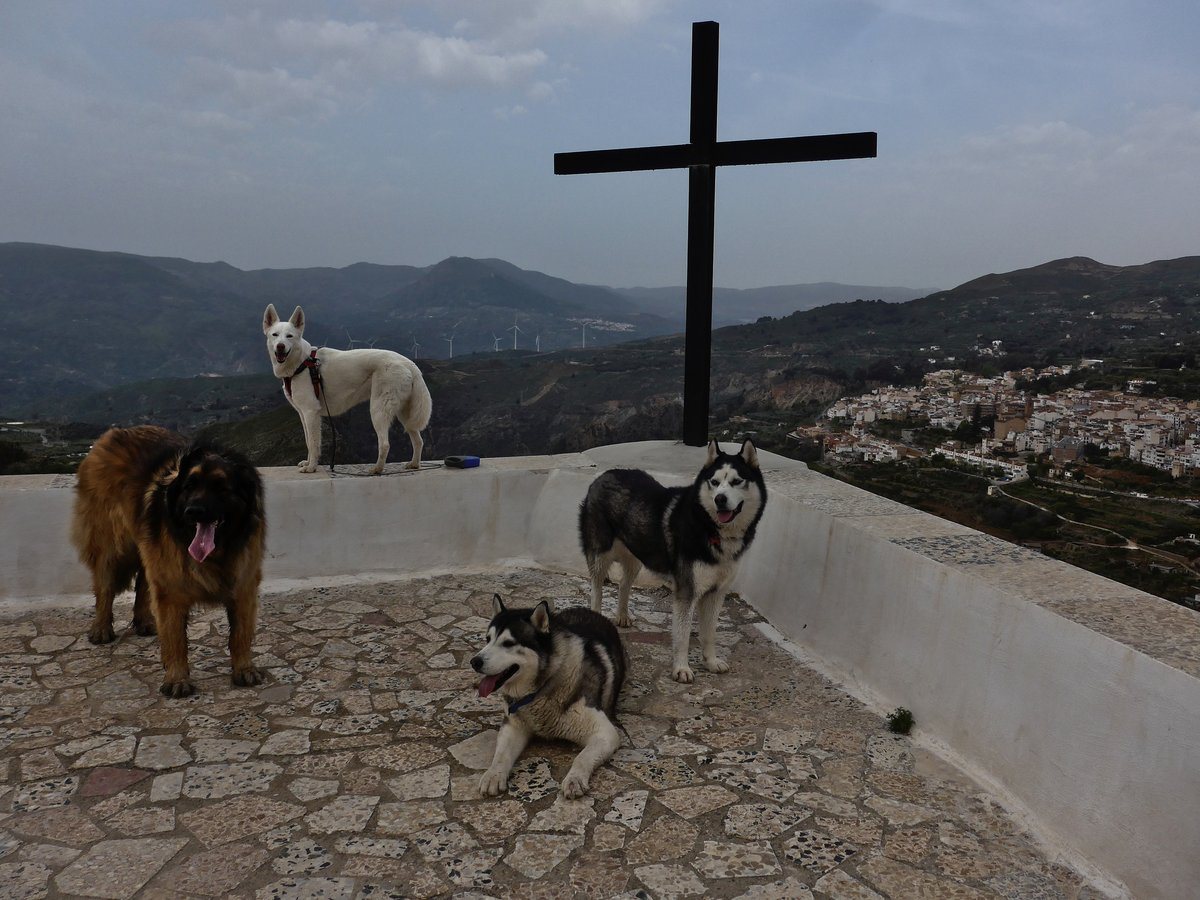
(1161, 432)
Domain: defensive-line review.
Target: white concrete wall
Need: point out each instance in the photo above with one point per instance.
(36, 557)
(322, 527)
(1099, 742)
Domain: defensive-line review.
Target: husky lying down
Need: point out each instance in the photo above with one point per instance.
(695, 535)
(561, 673)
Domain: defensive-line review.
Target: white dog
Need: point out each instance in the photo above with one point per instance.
(327, 382)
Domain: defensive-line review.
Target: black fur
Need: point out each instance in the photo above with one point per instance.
(520, 625)
(228, 489)
(593, 629)
(632, 506)
(598, 634)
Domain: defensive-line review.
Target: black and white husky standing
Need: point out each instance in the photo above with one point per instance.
(695, 535)
(561, 674)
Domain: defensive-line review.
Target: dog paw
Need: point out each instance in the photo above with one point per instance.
(574, 786)
(249, 676)
(716, 664)
(625, 621)
(102, 634)
(376, 470)
(306, 467)
(177, 689)
(145, 629)
(492, 782)
(684, 674)
(412, 465)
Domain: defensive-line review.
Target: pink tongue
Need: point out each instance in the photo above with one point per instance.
(204, 542)
(725, 516)
(487, 685)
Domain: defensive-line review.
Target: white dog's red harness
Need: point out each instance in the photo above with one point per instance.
(314, 372)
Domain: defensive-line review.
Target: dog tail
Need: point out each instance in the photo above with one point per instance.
(419, 406)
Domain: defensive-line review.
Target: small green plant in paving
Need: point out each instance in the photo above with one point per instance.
(900, 721)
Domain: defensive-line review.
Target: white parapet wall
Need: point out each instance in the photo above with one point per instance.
(1077, 697)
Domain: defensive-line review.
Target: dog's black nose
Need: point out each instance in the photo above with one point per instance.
(721, 500)
(476, 663)
(194, 512)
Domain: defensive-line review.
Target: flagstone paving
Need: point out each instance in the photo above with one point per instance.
(352, 773)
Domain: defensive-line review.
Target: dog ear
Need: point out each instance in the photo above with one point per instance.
(270, 317)
(749, 454)
(497, 605)
(713, 452)
(172, 483)
(297, 319)
(541, 617)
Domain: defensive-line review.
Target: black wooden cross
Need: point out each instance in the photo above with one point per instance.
(701, 157)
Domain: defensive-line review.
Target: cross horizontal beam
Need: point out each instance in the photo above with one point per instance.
(701, 157)
(813, 148)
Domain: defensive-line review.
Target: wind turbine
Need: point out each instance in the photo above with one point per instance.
(584, 343)
(416, 347)
(515, 329)
(450, 340)
(495, 343)
(537, 343)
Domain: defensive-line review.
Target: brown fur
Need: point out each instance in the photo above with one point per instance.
(129, 525)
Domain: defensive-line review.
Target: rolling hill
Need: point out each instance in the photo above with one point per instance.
(732, 306)
(83, 321)
(80, 321)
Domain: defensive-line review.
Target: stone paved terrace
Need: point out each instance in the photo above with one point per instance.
(352, 772)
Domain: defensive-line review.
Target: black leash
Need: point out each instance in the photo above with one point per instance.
(319, 380)
(332, 426)
(627, 734)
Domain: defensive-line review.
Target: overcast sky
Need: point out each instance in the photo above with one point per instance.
(292, 133)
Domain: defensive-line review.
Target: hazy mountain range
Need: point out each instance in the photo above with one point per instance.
(166, 318)
(733, 306)
(81, 321)
(773, 374)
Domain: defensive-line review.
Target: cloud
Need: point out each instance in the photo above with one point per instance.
(946, 12)
(1032, 145)
(540, 90)
(261, 93)
(292, 67)
(1068, 14)
(1118, 191)
(1164, 141)
(521, 22)
(294, 60)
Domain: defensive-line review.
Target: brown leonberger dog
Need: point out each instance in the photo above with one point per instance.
(186, 524)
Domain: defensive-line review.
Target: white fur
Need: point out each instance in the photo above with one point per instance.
(393, 384)
(725, 489)
(631, 567)
(702, 589)
(548, 715)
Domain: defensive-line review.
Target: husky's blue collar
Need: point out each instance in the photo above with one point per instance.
(523, 702)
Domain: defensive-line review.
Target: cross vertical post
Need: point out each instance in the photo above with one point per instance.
(701, 157)
(702, 214)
